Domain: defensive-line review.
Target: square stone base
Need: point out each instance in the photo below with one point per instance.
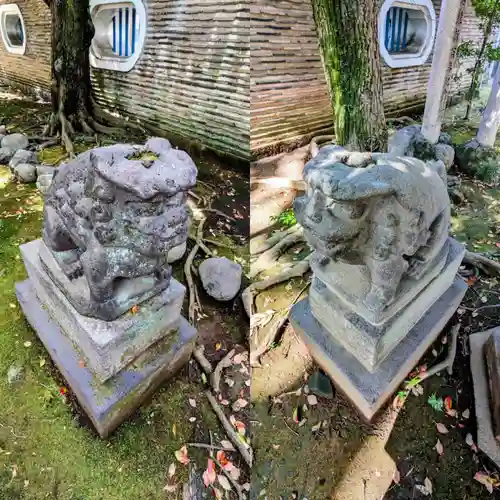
(369, 390)
(107, 404)
(370, 343)
(106, 346)
(485, 436)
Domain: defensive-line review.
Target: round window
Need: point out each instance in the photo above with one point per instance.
(12, 29)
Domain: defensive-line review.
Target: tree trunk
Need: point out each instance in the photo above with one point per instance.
(490, 120)
(347, 32)
(73, 108)
(478, 65)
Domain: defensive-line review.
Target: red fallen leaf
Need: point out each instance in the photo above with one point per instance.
(81, 364)
(448, 403)
(471, 280)
(422, 369)
(209, 476)
(135, 309)
(485, 480)
(396, 477)
(62, 391)
(497, 244)
(221, 457)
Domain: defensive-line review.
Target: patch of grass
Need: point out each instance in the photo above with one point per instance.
(285, 218)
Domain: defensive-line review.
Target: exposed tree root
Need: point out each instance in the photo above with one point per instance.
(488, 266)
(245, 450)
(260, 344)
(296, 271)
(269, 257)
(194, 303)
(274, 239)
(246, 453)
(225, 362)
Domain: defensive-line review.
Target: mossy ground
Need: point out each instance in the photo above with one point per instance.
(47, 447)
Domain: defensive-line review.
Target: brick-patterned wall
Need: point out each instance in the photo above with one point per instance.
(32, 69)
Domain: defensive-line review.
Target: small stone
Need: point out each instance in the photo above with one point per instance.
(445, 138)
(220, 277)
(15, 374)
(22, 156)
(15, 141)
(320, 385)
(3, 130)
(5, 155)
(25, 172)
(43, 182)
(46, 170)
(176, 253)
(446, 154)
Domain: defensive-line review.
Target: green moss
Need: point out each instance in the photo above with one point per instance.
(144, 155)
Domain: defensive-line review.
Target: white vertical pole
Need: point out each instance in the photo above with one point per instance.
(490, 120)
(431, 126)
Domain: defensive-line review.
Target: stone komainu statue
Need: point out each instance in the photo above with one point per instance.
(390, 214)
(112, 214)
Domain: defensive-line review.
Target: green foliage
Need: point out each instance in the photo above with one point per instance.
(492, 53)
(285, 218)
(466, 49)
(435, 402)
(487, 9)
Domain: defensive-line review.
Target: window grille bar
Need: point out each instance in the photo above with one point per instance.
(120, 33)
(126, 28)
(405, 30)
(400, 23)
(393, 33)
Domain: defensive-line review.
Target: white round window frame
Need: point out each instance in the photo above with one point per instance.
(114, 63)
(407, 60)
(12, 8)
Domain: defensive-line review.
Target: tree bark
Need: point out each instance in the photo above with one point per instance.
(488, 127)
(73, 109)
(347, 32)
(478, 64)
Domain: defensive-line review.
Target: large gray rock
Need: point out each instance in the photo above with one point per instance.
(5, 155)
(492, 357)
(22, 156)
(25, 173)
(112, 216)
(479, 161)
(220, 277)
(409, 141)
(399, 142)
(15, 141)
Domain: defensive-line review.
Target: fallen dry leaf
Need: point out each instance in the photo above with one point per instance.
(448, 403)
(485, 480)
(441, 428)
(192, 402)
(171, 470)
(192, 419)
(439, 447)
(182, 455)
(134, 309)
(218, 346)
(312, 399)
(470, 441)
(170, 488)
(238, 359)
(224, 482)
(466, 414)
(428, 485)
(217, 493)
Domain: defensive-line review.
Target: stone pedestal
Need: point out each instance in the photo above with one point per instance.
(368, 390)
(111, 366)
(485, 368)
(369, 354)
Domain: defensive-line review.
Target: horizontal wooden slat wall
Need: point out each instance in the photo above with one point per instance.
(32, 69)
(288, 92)
(192, 78)
(289, 98)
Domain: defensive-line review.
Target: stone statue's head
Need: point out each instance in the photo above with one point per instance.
(336, 210)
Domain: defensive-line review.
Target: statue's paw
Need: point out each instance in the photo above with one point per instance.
(74, 270)
(378, 299)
